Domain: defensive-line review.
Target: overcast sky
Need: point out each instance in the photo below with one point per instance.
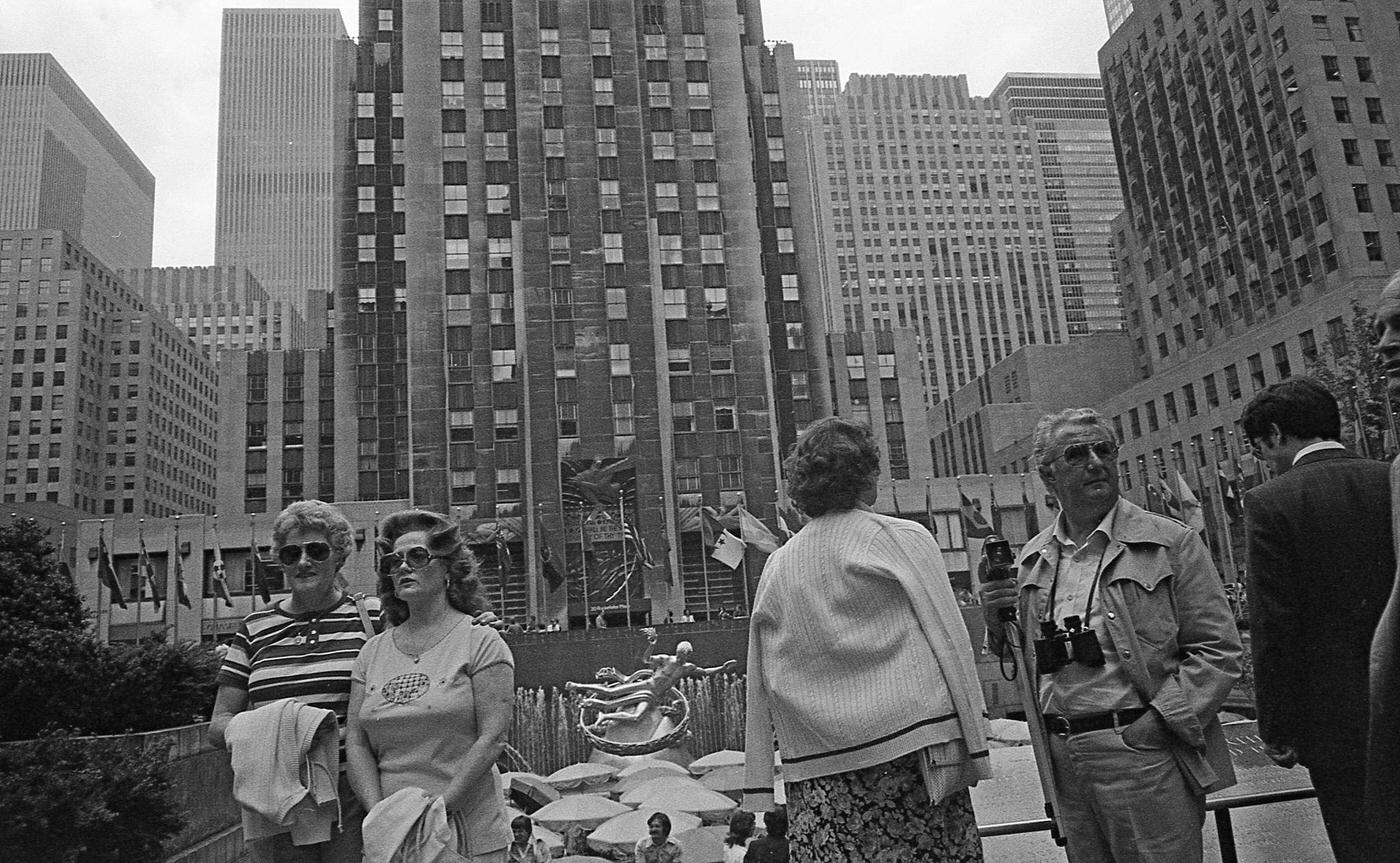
(152, 68)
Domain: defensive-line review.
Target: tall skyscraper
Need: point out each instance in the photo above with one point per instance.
(1256, 142)
(598, 321)
(1082, 192)
(111, 409)
(285, 85)
(932, 204)
(1117, 12)
(63, 166)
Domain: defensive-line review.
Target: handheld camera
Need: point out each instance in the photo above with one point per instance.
(1058, 646)
(1000, 565)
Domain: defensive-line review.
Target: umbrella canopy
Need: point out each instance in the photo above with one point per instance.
(640, 792)
(709, 805)
(528, 791)
(700, 846)
(726, 780)
(576, 775)
(585, 810)
(650, 764)
(715, 760)
(582, 858)
(625, 831)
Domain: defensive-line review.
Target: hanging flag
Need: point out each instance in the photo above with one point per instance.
(755, 533)
(995, 510)
(181, 591)
(218, 575)
(1028, 508)
(724, 546)
(503, 557)
(975, 524)
(1190, 504)
(783, 525)
(260, 573)
(106, 573)
(642, 554)
(147, 573)
(1229, 492)
(1154, 498)
(552, 576)
(928, 506)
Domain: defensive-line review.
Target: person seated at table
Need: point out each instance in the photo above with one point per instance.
(658, 846)
(525, 847)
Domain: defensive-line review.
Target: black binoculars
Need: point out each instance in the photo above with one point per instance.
(1058, 646)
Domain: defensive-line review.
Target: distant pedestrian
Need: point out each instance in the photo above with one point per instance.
(773, 846)
(736, 843)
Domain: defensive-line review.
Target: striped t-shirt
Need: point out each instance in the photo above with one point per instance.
(306, 656)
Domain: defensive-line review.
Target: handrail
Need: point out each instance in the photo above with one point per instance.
(1220, 806)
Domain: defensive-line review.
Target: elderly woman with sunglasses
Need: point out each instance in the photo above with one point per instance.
(301, 648)
(432, 699)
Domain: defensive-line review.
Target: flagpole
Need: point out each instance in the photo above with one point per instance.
(215, 537)
(583, 567)
(104, 609)
(704, 561)
(626, 568)
(140, 576)
(171, 562)
(748, 602)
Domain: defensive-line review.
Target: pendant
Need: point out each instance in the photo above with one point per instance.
(300, 639)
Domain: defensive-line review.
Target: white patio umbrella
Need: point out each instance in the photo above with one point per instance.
(716, 760)
(726, 780)
(585, 810)
(708, 805)
(580, 775)
(651, 764)
(640, 792)
(701, 845)
(624, 831)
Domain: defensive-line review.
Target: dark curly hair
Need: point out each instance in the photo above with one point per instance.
(831, 466)
(444, 537)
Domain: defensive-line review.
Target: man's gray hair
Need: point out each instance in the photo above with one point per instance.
(1047, 426)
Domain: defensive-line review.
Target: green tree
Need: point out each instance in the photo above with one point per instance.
(33, 592)
(1349, 367)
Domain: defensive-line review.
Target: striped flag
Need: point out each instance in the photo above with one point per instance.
(106, 573)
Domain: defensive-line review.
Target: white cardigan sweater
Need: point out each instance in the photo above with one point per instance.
(858, 655)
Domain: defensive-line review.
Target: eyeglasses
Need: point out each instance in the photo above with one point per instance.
(290, 555)
(416, 556)
(1077, 454)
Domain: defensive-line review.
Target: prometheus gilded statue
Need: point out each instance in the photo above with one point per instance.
(642, 712)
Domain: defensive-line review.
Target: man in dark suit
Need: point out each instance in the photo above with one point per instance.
(1321, 565)
(1383, 753)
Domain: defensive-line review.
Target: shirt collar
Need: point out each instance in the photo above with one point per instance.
(1105, 527)
(1318, 447)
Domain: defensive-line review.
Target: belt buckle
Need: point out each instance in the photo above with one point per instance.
(1057, 724)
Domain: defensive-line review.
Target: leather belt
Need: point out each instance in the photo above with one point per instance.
(1067, 725)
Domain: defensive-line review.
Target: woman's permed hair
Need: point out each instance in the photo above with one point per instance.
(315, 515)
(740, 828)
(833, 463)
(444, 538)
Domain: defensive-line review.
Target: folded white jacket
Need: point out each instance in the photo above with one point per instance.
(412, 824)
(285, 770)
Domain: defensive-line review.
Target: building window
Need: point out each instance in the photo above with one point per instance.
(1362, 193)
(1353, 29)
(1256, 371)
(1351, 151)
(1375, 111)
(1372, 241)
(1341, 109)
(1281, 364)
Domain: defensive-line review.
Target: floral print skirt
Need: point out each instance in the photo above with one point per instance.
(880, 814)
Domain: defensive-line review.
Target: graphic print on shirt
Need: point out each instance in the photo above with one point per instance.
(405, 688)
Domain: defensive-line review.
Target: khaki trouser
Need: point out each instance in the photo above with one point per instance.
(1119, 804)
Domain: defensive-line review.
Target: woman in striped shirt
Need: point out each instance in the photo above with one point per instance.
(303, 648)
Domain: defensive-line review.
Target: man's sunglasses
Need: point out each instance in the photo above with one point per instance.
(416, 556)
(1077, 454)
(290, 555)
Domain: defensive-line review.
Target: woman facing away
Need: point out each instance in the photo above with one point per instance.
(736, 842)
(301, 648)
(860, 663)
(432, 699)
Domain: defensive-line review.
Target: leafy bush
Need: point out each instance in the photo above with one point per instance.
(55, 675)
(68, 800)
